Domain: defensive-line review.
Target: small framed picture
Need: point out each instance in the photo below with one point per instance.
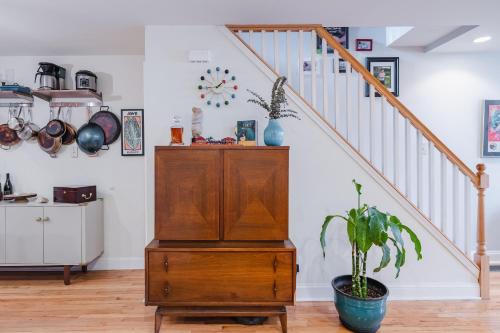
(386, 70)
(341, 35)
(133, 132)
(364, 44)
(491, 129)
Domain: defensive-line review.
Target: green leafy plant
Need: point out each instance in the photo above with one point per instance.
(368, 227)
(278, 106)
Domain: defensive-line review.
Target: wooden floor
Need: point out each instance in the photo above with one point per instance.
(112, 301)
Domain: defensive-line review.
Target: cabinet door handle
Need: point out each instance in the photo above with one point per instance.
(45, 219)
(165, 264)
(275, 289)
(87, 197)
(39, 219)
(167, 289)
(275, 263)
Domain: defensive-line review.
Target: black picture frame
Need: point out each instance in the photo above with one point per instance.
(491, 122)
(124, 113)
(341, 35)
(394, 61)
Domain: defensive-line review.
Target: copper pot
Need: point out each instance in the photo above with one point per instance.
(56, 127)
(8, 137)
(48, 143)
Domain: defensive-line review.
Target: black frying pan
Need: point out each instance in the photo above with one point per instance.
(109, 122)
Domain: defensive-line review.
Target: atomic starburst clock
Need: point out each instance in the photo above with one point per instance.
(217, 87)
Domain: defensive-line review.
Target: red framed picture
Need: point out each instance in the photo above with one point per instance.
(364, 44)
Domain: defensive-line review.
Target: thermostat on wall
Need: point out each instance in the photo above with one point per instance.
(200, 56)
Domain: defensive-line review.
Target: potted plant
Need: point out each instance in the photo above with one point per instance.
(277, 108)
(360, 300)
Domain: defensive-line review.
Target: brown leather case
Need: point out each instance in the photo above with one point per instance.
(74, 194)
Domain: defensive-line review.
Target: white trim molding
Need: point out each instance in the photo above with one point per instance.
(307, 292)
(117, 263)
(494, 258)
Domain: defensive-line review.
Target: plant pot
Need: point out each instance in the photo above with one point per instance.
(273, 134)
(358, 314)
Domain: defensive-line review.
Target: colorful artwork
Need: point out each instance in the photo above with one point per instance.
(133, 132)
(341, 35)
(491, 131)
(246, 132)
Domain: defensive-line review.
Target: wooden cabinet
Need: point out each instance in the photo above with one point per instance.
(50, 234)
(221, 233)
(187, 194)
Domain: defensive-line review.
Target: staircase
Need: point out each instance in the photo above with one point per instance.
(381, 129)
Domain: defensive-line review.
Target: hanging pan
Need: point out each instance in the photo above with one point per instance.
(8, 136)
(109, 122)
(48, 143)
(90, 137)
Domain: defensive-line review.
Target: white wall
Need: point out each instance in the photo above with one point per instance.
(119, 180)
(320, 170)
(446, 91)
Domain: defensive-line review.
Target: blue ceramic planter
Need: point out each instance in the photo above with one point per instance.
(273, 134)
(357, 314)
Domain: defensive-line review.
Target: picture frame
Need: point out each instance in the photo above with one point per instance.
(364, 44)
(341, 35)
(386, 70)
(307, 68)
(132, 132)
(491, 129)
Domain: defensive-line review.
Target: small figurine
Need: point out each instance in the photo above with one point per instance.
(197, 122)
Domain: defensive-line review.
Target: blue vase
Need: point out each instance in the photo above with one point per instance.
(357, 314)
(273, 134)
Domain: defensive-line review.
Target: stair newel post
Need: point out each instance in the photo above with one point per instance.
(481, 259)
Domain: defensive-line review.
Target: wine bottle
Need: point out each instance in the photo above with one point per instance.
(7, 187)
(1, 192)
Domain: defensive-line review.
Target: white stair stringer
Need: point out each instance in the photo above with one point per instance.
(356, 157)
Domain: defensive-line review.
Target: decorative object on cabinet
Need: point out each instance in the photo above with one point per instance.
(341, 35)
(277, 109)
(51, 234)
(109, 122)
(386, 70)
(196, 122)
(176, 132)
(491, 129)
(8, 189)
(22, 197)
(85, 80)
(133, 132)
(246, 132)
(361, 301)
(75, 194)
(199, 140)
(243, 237)
(217, 89)
(364, 44)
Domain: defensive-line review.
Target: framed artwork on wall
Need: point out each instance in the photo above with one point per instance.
(133, 132)
(341, 35)
(364, 44)
(491, 129)
(386, 70)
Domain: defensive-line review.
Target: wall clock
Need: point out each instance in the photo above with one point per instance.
(217, 87)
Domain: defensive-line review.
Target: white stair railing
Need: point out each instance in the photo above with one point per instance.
(379, 127)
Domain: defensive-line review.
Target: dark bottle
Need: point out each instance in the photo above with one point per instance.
(1, 193)
(7, 188)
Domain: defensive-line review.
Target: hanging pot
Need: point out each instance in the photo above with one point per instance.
(8, 137)
(56, 127)
(90, 138)
(109, 122)
(30, 129)
(16, 123)
(48, 143)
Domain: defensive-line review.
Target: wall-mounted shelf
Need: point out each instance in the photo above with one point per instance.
(14, 98)
(70, 98)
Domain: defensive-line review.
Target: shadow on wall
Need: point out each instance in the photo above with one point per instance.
(105, 85)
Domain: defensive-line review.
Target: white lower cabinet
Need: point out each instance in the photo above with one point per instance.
(50, 234)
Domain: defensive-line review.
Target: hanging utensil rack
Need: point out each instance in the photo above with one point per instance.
(14, 98)
(70, 98)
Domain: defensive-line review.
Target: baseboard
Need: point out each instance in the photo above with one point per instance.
(494, 258)
(323, 292)
(117, 263)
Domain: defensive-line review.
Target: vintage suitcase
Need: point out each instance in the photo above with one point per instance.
(74, 194)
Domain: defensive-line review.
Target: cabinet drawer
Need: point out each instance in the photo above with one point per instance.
(219, 278)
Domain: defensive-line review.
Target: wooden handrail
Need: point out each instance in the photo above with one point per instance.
(370, 79)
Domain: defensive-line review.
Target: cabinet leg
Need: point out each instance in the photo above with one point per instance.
(158, 317)
(67, 274)
(283, 321)
(84, 268)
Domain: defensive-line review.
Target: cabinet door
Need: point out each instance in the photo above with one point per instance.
(2, 235)
(187, 184)
(62, 235)
(24, 234)
(256, 194)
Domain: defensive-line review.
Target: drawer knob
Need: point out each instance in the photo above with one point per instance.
(39, 219)
(165, 264)
(167, 288)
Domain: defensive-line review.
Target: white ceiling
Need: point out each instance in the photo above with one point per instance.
(57, 27)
